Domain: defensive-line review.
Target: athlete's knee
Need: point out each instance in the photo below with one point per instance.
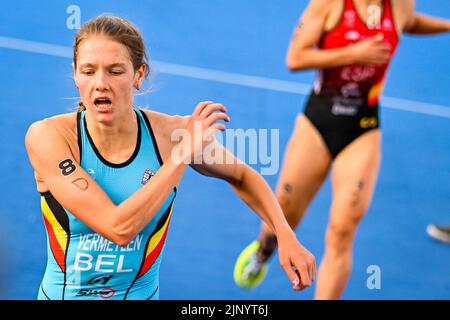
(346, 216)
(340, 235)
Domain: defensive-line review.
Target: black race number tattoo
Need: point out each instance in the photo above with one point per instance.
(67, 167)
(287, 188)
(356, 193)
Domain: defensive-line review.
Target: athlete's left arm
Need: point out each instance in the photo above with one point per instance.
(423, 24)
(256, 193)
(418, 23)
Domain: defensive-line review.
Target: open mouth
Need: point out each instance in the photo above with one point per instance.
(102, 103)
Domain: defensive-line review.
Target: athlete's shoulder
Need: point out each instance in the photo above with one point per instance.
(322, 6)
(404, 5)
(60, 121)
(322, 3)
(404, 13)
(164, 124)
(318, 12)
(411, 4)
(56, 127)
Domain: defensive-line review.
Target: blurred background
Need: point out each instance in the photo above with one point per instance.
(233, 52)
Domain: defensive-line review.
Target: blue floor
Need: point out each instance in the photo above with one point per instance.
(211, 225)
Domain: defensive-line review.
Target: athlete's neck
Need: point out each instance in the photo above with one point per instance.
(114, 140)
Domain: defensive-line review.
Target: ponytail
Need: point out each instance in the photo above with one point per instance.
(81, 107)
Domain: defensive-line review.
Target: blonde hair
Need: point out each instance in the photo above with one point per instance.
(119, 30)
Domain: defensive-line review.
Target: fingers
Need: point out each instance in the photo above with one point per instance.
(383, 50)
(210, 108)
(376, 38)
(216, 117)
(206, 112)
(305, 279)
(379, 60)
(300, 269)
(212, 130)
(199, 108)
(382, 47)
(377, 56)
(300, 286)
(374, 50)
(292, 275)
(202, 126)
(311, 268)
(298, 275)
(378, 43)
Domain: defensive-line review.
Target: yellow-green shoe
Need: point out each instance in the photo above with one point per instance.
(249, 271)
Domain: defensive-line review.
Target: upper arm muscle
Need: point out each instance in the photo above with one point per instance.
(74, 189)
(311, 25)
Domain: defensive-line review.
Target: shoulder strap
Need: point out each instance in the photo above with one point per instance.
(152, 135)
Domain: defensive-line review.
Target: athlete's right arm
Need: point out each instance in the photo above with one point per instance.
(75, 190)
(303, 52)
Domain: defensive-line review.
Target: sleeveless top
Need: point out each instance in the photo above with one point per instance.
(82, 264)
(357, 85)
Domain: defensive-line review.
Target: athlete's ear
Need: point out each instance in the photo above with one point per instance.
(140, 75)
(74, 74)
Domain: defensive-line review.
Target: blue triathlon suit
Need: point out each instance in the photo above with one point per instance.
(82, 264)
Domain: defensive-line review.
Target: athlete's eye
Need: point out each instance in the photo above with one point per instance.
(87, 72)
(116, 72)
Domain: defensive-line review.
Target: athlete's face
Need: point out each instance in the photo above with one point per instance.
(105, 77)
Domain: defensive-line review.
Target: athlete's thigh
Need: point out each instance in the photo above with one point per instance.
(354, 176)
(305, 164)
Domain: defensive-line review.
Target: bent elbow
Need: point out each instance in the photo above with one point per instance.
(120, 236)
(295, 64)
(123, 241)
(120, 240)
(289, 64)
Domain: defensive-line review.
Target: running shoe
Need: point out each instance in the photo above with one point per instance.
(249, 270)
(441, 233)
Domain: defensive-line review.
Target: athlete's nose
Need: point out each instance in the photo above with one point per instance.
(101, 81)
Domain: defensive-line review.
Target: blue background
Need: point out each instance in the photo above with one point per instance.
(211, 225)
